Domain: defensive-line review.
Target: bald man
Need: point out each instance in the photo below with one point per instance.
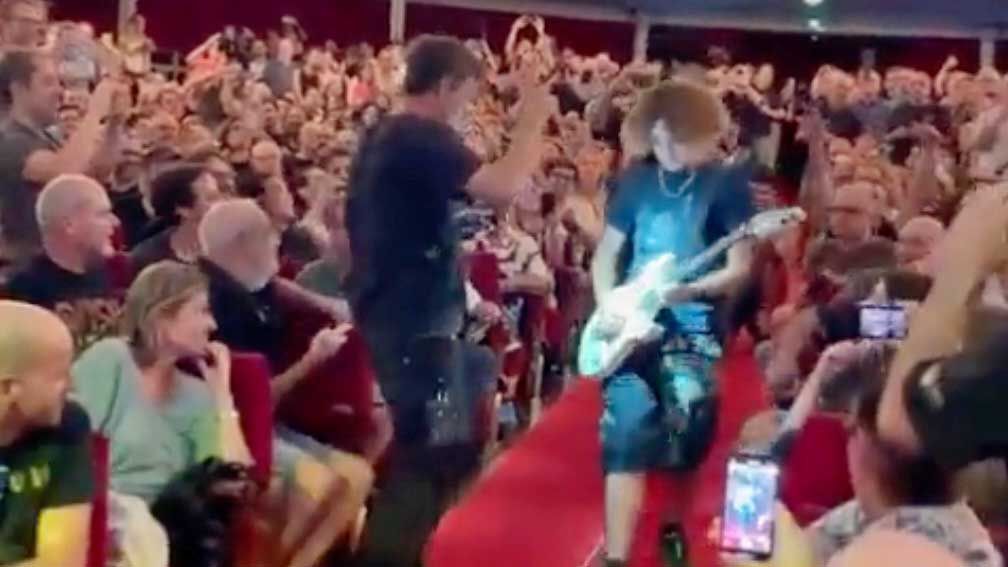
(69, 277)
(917, 240)
(46, 473)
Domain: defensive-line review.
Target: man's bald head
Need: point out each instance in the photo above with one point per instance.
(36, 351)
(27, 334)
(238, 237)
(918, 239)
(266, 158)
(74, 214)
(265, 148)
(228, 221)
(63, 197)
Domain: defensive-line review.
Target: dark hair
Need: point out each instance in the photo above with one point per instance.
(173, 189)
(250, 185)
(901, 285)
(431, 59)
(197, 514)
(16, 67)
(913, 480)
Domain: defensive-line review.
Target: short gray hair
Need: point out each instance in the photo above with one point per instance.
(226, 221)
(64, 196)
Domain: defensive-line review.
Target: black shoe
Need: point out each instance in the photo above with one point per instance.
(673, 546)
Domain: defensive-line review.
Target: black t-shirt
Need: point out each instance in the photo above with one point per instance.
(85, 302)
(151, 251)
(405, 260)
(246, 321)
(133, 217)
(17, 195)
(50, 468)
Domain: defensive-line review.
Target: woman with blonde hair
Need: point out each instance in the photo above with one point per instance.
(161, 421)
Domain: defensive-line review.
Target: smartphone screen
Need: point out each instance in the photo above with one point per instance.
(747, 526)
(883, 322)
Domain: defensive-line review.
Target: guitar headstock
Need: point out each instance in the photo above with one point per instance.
(773, 222)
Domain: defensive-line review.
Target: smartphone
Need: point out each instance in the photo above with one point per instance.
(747, 525)
(883, 322)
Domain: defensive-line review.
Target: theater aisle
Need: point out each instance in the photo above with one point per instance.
(540, 505)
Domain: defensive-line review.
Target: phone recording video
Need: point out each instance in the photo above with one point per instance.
(883, 322)
(747, 526)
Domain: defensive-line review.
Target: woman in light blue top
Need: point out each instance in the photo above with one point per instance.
(159, 420)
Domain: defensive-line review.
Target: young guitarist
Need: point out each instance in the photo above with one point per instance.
(660, 406)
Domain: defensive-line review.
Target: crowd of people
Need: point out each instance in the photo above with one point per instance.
(155, 220)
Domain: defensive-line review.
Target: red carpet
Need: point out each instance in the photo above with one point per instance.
(541, 503)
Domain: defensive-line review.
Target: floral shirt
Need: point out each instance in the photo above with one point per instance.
(954, 527)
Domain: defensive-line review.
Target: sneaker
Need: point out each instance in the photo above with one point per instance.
(673, 546)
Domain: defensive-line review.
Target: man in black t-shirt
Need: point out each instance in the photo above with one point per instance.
(46, 481)
(405, 282)
(70, 276)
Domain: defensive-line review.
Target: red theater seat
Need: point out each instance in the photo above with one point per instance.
(250, 386)
(484, 273)
(335, 404)
(816, 477)
(98, 544)
(120, 271)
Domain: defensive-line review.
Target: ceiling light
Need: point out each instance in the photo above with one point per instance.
(813, 2)
(815, 24)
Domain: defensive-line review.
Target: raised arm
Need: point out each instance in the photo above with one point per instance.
(79, 152)
(501, 181)
(974, 247)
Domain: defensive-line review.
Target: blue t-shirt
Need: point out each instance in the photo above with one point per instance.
(685, 217)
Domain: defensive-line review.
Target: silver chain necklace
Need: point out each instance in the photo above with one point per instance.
(678, 192)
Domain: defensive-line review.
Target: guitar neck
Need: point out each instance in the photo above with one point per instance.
(711, 254)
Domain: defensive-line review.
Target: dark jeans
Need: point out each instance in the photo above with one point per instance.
(418, 487)
(421, 481)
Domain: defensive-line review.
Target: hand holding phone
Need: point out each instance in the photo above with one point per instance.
(748, 521)
(883, 321)
(791, 545)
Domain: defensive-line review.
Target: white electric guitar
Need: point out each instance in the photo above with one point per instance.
(637, 302)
